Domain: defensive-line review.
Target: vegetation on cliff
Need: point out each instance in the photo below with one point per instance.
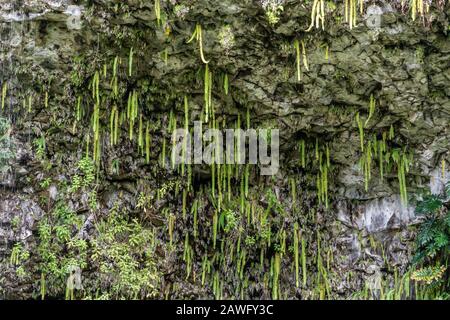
(114, 216)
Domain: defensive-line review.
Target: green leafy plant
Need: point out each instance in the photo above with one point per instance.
(18, 254)
(228, 220)
(59, 249)
(39, 144)
(273, 9)
(15, 223)
(86, 176)
(46, 183)
(433, 241)
(120, 252)
(123, 255)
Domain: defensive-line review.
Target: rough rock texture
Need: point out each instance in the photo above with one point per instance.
(56, 46)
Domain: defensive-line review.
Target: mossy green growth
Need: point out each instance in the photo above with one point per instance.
(158, 11)
(197, 34)
(317, 15)
(403, 161)
(4, 93)
(225, 84)
(302, 148)
(371, 109)
(361, 131)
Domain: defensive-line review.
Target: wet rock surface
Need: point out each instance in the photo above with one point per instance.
(56, 46)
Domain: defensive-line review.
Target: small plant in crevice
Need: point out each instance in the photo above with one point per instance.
(16, 223)
(228, 220)
(18, 258)
(40, 145)
(45, 183)
(273, 10)
(85, 177)
(180, 10)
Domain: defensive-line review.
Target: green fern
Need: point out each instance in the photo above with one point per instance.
(430, 204)
(433, 242)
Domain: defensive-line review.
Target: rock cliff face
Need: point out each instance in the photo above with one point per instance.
(359, 238)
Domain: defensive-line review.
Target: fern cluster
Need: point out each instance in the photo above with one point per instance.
(433, 240)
